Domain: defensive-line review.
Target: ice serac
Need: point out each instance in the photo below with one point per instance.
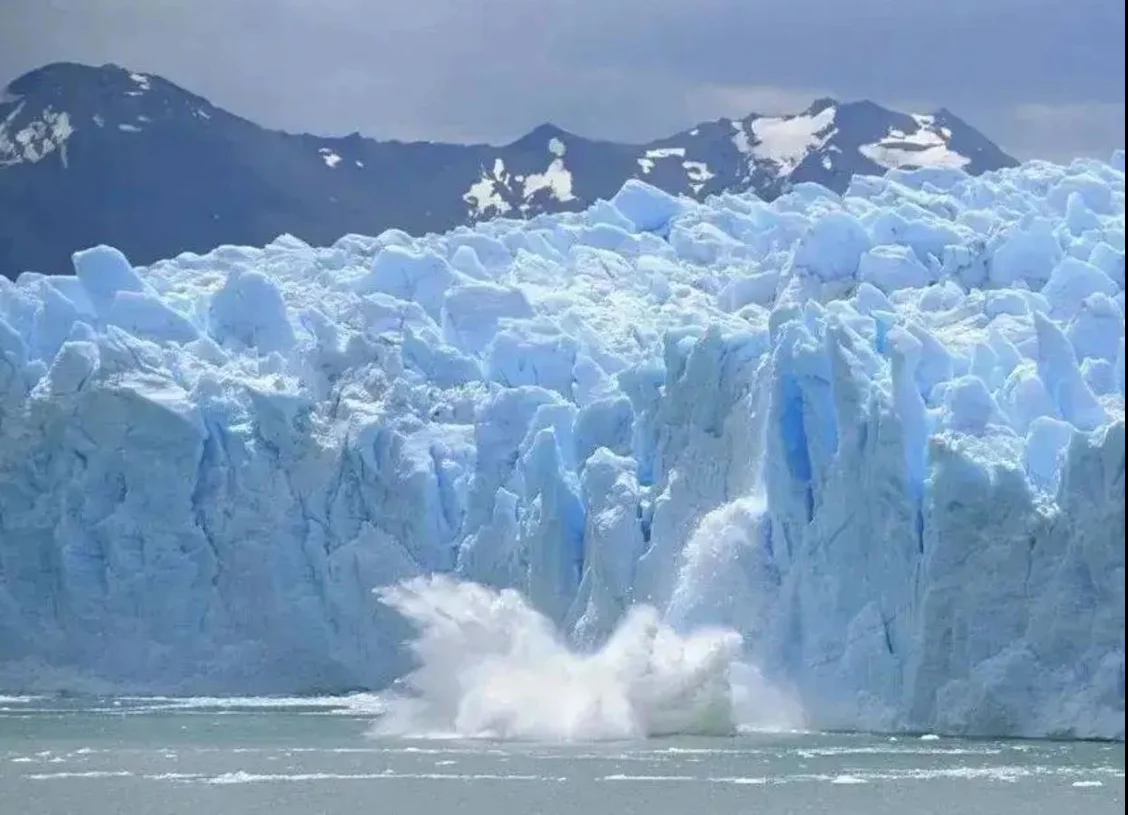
(881, 435)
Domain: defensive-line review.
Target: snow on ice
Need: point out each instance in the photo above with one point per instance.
(881, 436)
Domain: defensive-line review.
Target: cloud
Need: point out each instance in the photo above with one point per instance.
(621, 69)
(1060, 132)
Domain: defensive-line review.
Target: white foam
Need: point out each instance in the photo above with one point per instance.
(87, 774)
(489, 665)
(848, 780)
(241, 777)
(361, 703)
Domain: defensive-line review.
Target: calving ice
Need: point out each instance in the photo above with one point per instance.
(490, 666)
(876, 437)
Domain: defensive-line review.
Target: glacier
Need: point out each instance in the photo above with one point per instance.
(880, 435)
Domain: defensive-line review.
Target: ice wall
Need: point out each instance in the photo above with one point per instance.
(882, 435)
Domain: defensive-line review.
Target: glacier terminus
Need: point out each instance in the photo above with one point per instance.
(878, 434)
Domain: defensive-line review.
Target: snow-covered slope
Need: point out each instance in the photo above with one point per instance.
(882, 435)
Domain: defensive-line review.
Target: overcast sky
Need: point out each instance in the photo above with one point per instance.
(1041, 77)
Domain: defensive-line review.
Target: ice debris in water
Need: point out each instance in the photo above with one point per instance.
(879, 436)
(489, 665)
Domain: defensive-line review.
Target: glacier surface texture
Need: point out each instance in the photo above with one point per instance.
(880, 434)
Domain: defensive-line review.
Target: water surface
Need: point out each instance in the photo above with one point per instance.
(285, 757)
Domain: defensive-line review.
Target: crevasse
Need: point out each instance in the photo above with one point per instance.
(881, 435)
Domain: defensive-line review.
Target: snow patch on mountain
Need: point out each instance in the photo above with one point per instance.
(27, 138)
(556, 179)
(786, 141)
(646, 163)
(497, 191)
(698, 173)
(483, 195)
(927, 146)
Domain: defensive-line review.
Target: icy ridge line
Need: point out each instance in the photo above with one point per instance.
(880, 434)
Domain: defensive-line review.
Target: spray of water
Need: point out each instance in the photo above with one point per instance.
(489, 665)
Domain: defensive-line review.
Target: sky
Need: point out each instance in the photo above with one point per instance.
(1043, 78)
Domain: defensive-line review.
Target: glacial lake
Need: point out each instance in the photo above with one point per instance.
(166, 756)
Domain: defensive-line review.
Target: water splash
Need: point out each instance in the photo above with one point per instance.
(489, 665)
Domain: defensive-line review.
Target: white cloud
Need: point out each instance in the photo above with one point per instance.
(1061, 132)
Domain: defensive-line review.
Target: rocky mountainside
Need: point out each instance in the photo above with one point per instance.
(93, 155)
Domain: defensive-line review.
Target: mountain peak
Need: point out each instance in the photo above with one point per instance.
(821, 104)
(44, 110)
(541, 135)
(88, 89)
(65, 76)
(109, 155)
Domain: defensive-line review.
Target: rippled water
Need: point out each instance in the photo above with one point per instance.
(283, 756)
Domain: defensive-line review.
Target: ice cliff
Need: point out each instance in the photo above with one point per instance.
(881, 435)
